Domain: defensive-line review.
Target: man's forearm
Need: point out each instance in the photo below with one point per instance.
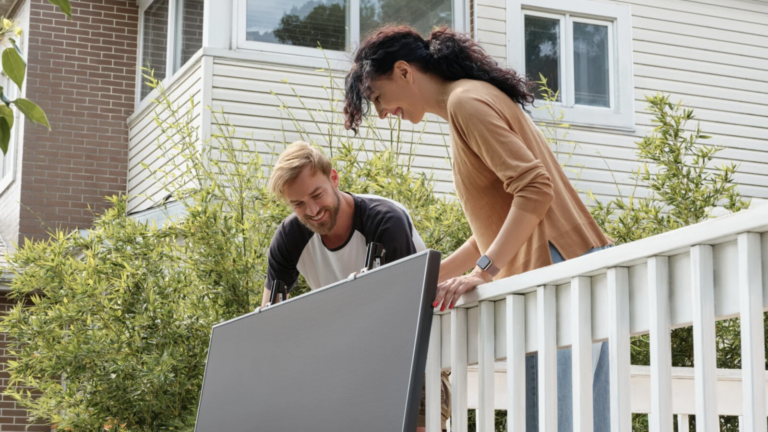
(265, 296)
(459, 262)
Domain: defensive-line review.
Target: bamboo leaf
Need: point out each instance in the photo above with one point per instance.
(63, 5)
(14, 66)
(32, 112)
(6, 124)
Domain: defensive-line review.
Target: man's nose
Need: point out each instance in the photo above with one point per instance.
(312, 208)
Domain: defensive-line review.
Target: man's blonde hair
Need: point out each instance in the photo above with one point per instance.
(292, 162)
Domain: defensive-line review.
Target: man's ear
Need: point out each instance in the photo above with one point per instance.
(403, 70)
(334, 178)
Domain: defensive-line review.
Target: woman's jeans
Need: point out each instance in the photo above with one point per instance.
(600, 385)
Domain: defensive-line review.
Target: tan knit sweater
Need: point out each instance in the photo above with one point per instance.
(501, 159)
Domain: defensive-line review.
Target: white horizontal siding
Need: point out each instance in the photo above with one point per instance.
(712, 55)
(250, 94)
(491, 28)
(145, 186)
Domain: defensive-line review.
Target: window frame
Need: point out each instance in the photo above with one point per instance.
(173, 49)
(620, 114)
(460, 18)
(6, 178)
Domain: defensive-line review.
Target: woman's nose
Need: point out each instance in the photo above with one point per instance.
(381, 111)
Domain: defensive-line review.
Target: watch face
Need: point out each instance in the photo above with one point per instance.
(484, 262)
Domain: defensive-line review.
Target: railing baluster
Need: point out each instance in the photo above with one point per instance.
(683, 424)
(581, 352)
(486, 352)
(459, 370)
(618, 349)
(661, 346)
(515, 363)
(704, 352)
(547, 351)
(432, 391)
(752, 332)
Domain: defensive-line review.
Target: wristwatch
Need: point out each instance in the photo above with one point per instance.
(487, 266)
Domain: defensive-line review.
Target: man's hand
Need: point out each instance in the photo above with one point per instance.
(449, 292)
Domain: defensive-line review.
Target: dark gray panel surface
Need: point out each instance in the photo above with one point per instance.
(349, 357)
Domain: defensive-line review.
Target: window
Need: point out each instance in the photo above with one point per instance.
(583, 49)
(171, 33)
(292, 26)
(7, 160)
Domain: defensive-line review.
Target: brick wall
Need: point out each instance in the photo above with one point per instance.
(82, 73)
(12, 416)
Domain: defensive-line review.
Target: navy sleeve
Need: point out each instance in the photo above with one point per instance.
(282, 260)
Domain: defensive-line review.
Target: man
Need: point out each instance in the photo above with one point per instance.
(325, 239)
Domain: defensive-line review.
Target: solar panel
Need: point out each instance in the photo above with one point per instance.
(347, 357)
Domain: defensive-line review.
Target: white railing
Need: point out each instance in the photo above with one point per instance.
(692, 276)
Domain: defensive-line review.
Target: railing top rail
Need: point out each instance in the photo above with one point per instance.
(711, 232)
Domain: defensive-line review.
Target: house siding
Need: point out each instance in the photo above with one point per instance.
(243, 90)
(145, 183)
(712, 56)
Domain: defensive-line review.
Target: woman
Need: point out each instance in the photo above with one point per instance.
(522, 209)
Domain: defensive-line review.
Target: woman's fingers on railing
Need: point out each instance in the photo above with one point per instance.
(450, 291)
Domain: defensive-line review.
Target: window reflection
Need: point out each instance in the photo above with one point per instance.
(298, 22)
(542, 51)
(422, 15)
(154, 49)
(591, 69)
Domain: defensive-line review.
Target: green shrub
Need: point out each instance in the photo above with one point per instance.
(684, 186)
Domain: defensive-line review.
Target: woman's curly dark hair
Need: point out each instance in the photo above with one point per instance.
(447, 54)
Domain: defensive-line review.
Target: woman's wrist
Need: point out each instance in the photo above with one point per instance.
(482, 274)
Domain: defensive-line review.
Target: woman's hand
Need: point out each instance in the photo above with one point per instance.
(449, 292)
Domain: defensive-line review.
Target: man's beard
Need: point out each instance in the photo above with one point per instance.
(328, 224)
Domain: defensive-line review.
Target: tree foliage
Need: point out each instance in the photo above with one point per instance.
(15, 68)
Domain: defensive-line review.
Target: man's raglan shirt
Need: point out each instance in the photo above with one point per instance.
(296, 249)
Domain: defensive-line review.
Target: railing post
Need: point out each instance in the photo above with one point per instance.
(547, 350)
(486, 353)
(704, 352)
(581, 353)
(618, 349)
(752, 332)
(433, 379)
(458, 370)
(661, 345)
(515, 363)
